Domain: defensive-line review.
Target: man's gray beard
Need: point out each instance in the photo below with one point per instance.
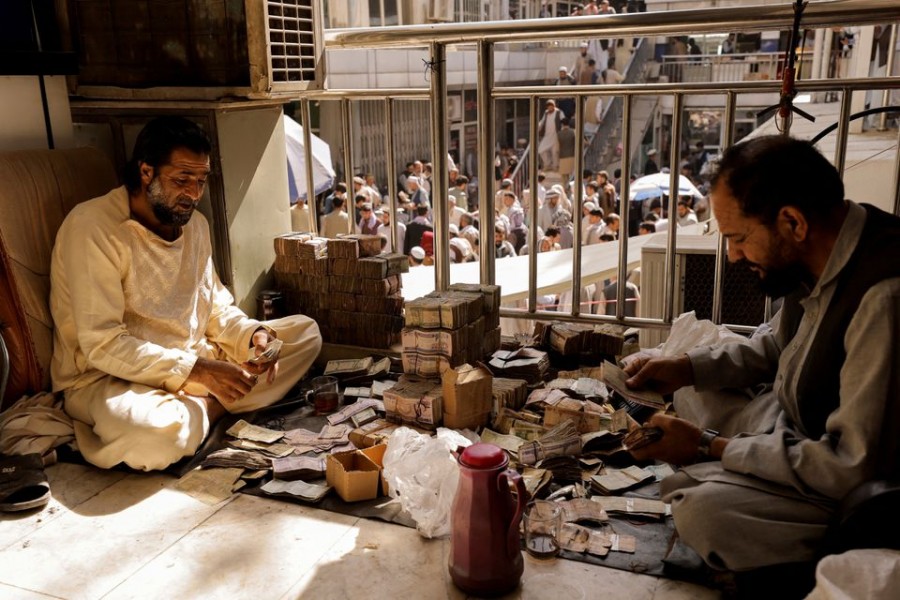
(165, 214)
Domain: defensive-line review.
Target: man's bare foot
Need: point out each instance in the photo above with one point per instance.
(214, 409)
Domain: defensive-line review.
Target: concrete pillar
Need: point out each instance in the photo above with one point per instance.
(859, 67)
(817, 61)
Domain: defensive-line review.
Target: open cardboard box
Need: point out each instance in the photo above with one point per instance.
(376, 455)
(353, 475)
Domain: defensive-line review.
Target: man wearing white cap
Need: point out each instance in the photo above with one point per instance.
(548, 132)
(384, 229)
(460, 248)
(566, 105)
(650, 167)
(581, 63)
(418, 196)
(547, 213)
(416, 256)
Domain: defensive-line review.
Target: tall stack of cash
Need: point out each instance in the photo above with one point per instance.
(491, 311)
(508, 393)
(344, 284)
(444, 330)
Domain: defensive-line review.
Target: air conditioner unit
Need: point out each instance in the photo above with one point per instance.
(188, 50)
(695, 267)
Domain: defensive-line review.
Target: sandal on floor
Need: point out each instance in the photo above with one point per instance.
(23, 483)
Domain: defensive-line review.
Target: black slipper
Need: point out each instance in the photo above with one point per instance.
(23, 483)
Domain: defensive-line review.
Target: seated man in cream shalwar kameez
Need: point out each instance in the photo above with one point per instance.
(149, 348)
(763, 483)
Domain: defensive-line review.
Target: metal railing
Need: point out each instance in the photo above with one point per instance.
(690, 22)
(722, 68)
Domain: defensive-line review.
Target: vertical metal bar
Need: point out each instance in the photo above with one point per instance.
(624, 207)
(391, 169)
(719, 279)
(311, 203)
(886, 94)
(486, 160)
(840, 146)
(576, 208)
(533, 247)
(674, 157)
(440, 176)
(350, 203)
(897, 180)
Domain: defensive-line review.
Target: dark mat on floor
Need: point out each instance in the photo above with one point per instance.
(658, 551)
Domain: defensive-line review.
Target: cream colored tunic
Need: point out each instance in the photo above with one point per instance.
(771, 497)
(132, 314)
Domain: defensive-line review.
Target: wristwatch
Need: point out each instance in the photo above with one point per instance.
(704, 446)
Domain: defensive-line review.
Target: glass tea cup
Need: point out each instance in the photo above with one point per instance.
(324, 394)
(543, 523)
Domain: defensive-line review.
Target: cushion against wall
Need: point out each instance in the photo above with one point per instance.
(39, 187)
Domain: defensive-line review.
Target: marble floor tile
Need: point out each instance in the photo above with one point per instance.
(377, 559)
(251, 548)
(8, 592)
(70, 486)
(86, 553)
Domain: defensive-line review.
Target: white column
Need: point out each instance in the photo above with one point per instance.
(859, 67)
(817, 61)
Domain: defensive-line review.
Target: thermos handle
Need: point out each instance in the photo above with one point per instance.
(521, 500)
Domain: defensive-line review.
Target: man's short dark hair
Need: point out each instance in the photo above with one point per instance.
(341, 187)
(337, 202)
(360, 198)
(421, 210)
(586, 173)
(462, 180)
(683, 202)
(157, 140)
(651, 227)
(551, 232)
(768, 173)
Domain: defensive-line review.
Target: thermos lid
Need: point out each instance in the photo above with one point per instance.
(483, 456)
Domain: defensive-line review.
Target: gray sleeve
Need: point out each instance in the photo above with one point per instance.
(860, 439)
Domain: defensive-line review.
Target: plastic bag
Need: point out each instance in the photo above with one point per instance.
(423, 474)
(688, 332)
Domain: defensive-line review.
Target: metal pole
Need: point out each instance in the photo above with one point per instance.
(624, 207)
(674, 156)
(840, 146)
(391, 166)
(439, 160)
(889, 68)
(897, 180)
(533, 248)
(576, 208)
(486, 160)
(311, 203)
(721, 250)
(350, 203)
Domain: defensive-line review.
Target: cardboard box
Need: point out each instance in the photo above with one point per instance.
(468, 396)
(376, 455)
(353, 475)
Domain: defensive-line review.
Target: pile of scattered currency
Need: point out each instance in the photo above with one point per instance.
(345, 284)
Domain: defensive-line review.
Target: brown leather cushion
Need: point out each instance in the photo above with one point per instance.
(39, 188)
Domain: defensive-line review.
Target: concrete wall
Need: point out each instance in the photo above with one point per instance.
(22, 117)
(254, 173)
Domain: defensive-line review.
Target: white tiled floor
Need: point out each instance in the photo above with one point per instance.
(113, 535)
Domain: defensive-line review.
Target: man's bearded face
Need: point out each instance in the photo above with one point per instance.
(174, 207)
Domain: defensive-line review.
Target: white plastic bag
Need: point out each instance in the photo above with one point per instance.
(423, 474)
(688, 332)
